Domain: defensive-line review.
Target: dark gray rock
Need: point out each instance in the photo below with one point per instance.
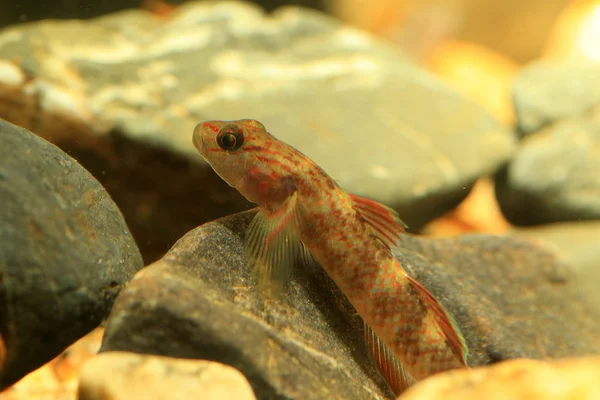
(555, 174)
(545, 92)
(578, 243)
(65, 252)
(511, 298)
(378, 124)
(199, 301)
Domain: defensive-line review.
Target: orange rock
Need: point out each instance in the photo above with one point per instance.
(58, 379)
(40, 384)
(66, 367)
(479, 212)
(576, 35)
(377, 17)
(2, 353)
(520, 379)
(479, 73)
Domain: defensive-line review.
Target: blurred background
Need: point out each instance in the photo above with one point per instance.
(475, 46)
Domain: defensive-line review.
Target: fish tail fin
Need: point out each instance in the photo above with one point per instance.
(444, 319)
(388, 365)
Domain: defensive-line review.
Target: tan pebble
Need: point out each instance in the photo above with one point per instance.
(519, 379)
(11, 74)
(123, 375)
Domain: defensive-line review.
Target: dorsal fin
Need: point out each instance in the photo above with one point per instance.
(388, 365)
(444, 319)
(384, 220)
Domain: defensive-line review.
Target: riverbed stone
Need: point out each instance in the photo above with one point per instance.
(577, 243)
(119, 375)
(554, 175)
(65, 252)
(573, 378)
(122, 93)
(547, 91)
(511, 299)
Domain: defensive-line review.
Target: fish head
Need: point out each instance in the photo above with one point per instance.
(240, 153)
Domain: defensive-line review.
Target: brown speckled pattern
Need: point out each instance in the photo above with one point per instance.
(266, 171)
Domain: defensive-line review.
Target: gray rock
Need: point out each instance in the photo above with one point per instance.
(555, 174)
(511, 299)
(199, 301)
(125, 376)
(578, 243)
(378, 124)
(65, 252)
(545, 92)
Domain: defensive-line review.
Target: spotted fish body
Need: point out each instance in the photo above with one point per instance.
(409, 334)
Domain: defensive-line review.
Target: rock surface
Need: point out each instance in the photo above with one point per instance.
(199, 301)
(133, 86)
(65, 252)
(578, 243)
(575, 379)
(511, 299)
(125, 376)
(555, 174)
(545, 92)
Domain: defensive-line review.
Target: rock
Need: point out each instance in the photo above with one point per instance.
(65, 252)
(199, 301)
(575, 379)
(554, 175)
(545, 92)
(30, 10)
(57, 378)
(511, 299)
(2, 351)
(130, 90)
(578, 243)
(121, 375)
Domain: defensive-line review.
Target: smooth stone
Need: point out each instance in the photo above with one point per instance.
(578, 243)
(574, 379)
(65, 252)
(555, 174)
(125, 97)
(547, 91)
(509, 297)
(125, 376)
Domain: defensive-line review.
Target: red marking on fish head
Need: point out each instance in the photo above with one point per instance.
(236, 150)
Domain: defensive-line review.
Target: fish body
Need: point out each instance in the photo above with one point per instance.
(301, 208)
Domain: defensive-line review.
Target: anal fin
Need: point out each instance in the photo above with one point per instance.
(444, 319)
(388, 365)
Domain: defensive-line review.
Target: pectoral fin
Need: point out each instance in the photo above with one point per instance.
(444, 319)
(388, 365)
(273, 246)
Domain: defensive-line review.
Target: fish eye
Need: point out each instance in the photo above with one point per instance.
(230, 138)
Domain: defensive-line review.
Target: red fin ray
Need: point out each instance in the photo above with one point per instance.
(444, 319)
(273, 246)
(384, 220)
(388, 365)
